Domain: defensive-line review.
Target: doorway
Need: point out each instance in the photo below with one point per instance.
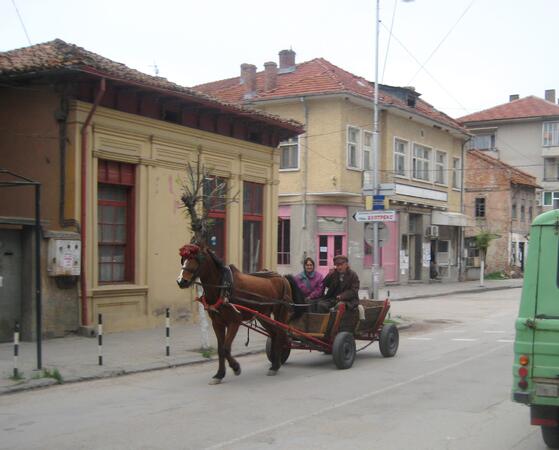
(10, 282)
(329, 245)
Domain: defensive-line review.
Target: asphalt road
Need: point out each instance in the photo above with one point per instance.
(448, 387)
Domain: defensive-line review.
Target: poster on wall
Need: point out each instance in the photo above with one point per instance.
(404, 262)
(426, 254)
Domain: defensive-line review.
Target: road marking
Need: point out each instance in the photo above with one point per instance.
(464, 339)
(420, 339)
(303, 418)
(494, 332)
(505, 340)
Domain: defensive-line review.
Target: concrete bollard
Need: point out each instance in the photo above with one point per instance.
(167, 333)
(100, 338)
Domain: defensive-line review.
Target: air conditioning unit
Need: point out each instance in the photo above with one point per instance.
(432, 231)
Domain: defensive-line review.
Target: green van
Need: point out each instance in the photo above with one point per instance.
(536, 347)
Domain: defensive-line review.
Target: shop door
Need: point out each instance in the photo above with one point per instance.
(10, 282)
(328, 247)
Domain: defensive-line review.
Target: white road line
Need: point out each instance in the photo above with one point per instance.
(494, 332)
(420, 339)
(505, 340)
(303, 418)
(464, 339)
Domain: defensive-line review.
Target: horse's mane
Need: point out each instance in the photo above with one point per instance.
(297, 297)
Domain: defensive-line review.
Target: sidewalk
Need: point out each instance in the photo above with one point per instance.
(76, 357)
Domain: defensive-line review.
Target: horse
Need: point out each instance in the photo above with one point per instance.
(224, 286)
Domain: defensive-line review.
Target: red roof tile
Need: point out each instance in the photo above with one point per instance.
(58, 55)
(517, 176)
(527, 107)
(319, 76)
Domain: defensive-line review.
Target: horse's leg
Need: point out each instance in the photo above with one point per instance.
(232, 329)
(219, 329)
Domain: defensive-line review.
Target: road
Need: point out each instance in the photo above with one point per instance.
(448, 387)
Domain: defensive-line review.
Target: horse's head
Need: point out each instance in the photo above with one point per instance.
(191, 262)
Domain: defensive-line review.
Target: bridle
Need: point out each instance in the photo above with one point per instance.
(191, 252)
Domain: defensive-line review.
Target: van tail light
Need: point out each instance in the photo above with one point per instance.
(523, 360)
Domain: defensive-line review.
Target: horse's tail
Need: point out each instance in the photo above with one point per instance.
(297, 297)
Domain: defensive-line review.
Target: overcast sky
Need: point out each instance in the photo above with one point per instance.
(475, 53)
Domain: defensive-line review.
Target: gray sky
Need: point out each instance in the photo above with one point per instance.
(476, 52)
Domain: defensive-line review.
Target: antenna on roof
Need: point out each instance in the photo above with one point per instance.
(155, 68)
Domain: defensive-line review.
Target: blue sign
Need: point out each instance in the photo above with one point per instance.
(378, 202)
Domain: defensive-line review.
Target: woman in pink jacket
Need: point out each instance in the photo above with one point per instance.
(309, 281)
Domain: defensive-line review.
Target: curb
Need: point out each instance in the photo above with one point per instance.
(442, 294)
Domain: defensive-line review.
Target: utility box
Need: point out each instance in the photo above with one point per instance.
(64, 257)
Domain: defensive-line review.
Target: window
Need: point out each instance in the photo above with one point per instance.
(353, 147)
(551, 199)
(473, 258)
(482, 142)
(253, 206)
(215, 192)
(530, 213)
(551, 169)
(550, 134)
(420, 162)
(367, 150)
(284, 236)
(289, 154)
(440, 167)
(522, 213)
(400, 156)
(513, 211)
(480, 207)
(456, 173)
(115, 230)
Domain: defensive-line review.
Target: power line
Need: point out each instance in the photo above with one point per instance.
(21, 22)
(442, 41)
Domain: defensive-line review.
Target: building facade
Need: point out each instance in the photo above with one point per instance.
(500, 200)
(109, 146)
(525, 134)
(321, 172)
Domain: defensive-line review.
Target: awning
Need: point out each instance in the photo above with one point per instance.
(449, 218)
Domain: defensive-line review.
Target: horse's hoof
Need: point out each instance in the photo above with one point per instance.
(272, 373)
(215, 381)
(237, 371)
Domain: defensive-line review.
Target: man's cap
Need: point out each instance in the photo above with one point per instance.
(340, 259)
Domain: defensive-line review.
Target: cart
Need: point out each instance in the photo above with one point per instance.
(335, 333)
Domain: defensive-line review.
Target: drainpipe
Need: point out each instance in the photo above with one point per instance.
(306, 162)
(461, 268)
(83, 229)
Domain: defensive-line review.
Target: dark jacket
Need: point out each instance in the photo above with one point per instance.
(347, 289)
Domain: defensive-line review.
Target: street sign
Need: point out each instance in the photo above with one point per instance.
(378, 202)
(383, 234)
(386, 189)
(375, 216)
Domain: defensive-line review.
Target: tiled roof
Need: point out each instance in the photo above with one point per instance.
(319, 76)
(524, 108)
(517, 176)
(57, 55)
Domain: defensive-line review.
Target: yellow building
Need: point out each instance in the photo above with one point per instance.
(321, 172)
(109, 146)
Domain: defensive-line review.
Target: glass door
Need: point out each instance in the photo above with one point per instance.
(328, 247)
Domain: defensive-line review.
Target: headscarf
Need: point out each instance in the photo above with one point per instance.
(306, 277)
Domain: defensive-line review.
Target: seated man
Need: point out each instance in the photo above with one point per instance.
(343, 286)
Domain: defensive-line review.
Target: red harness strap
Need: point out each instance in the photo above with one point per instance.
(209, 307)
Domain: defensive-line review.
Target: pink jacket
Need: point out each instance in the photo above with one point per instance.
(311, 287)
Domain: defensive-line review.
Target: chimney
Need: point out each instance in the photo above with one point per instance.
(248, 78)
(513, 97)
(550, 95)
(287, 61)
(270, 75)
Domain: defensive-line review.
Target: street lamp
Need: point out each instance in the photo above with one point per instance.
(375, 172)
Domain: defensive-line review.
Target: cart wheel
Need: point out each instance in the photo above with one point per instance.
(284, 355)
(389, 339)
(550, 436)
(343, 350)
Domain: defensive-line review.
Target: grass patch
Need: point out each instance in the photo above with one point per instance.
(46, 373)
(495, 276)
(18, 377)
(207, 352)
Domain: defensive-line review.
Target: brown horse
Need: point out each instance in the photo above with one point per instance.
(225, 286)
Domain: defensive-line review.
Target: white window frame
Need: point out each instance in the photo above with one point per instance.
(441, 168)
(488, 141)
(367, 151)
(424, 162)
(290, 143)
(357, 147)
(402, 156)
(554, 197)
(551, 165)
(550, 134)
(456, 173)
